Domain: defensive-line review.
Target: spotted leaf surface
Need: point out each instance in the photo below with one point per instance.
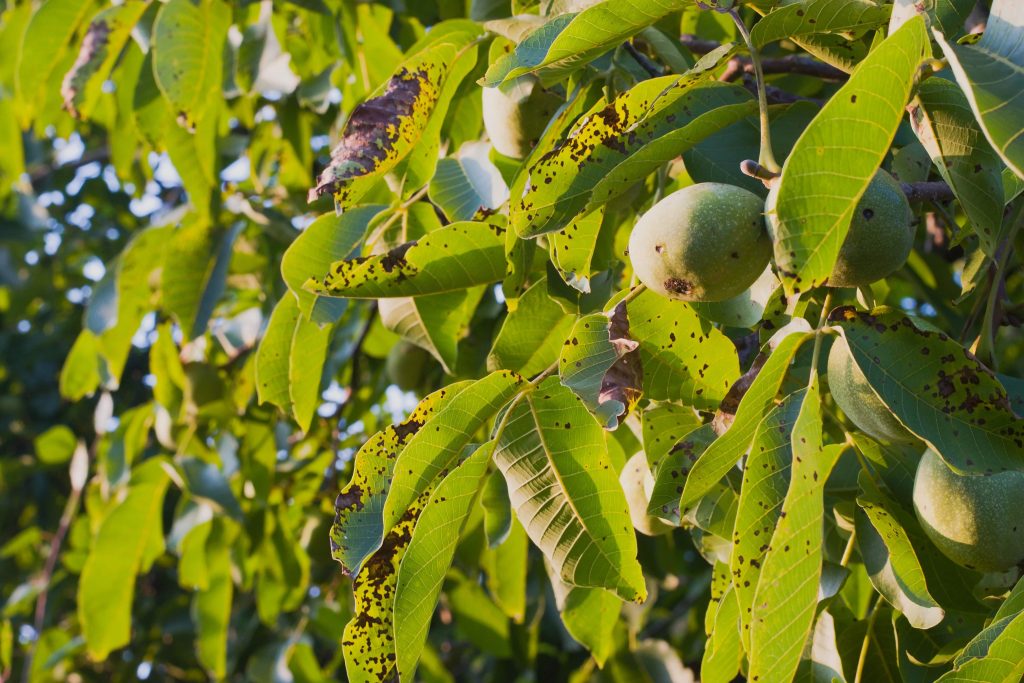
(766, 474)
(430, 554)
(657, 119)
(837, 155)
(937, 389)
(818, 16)
(663, 426)
(597, 362)
(787, 591)
(358, 523)
(457, 256)
(569, 41)
(566, 493)
(989, 74)
(723, 455)
(670, 474)
(945, 125)
(684, 357)
(439, 444)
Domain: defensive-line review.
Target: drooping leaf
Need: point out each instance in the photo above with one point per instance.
(506, 568)
(988, 72)
(946, 127)
(129, 540)
(787, 591)
(834, 160)
(429, 556)
(455, 257)
(105, 38)
(766, 478)
(273, 357)
(188, 44)
(530, 337)
(566, 493)
(572, 250)
(684, 357)
(889, 557)
(937, 389)
(435, 447)
(385, 129)
(306, 357)
(192, 282)
(211, 605)
(358, 522)
(724, 453)
(569, 41)
(818, 16)
(328, 239)
(468, 186)
(588, 614)
(723, 653)
(435, 322)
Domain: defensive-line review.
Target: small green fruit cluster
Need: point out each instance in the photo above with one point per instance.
(710, 241)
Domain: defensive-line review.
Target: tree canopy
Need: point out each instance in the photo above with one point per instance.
(511, 340)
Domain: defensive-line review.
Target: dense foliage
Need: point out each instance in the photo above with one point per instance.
(511, 340)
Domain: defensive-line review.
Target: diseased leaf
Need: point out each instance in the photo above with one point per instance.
(572, 250)
(566, 493)
(328, 239)
(766, 478)
(944, 123)
(937, 389)
(598, 363)
(106, 36)
(429, 556)
(818, 16)
(434, 449)
(358, 522)
(988, 73)
(889, 557)
(663, 428)
(834, 160)
(188, 42)
(128, 541)
(724, 453)
(457, 256)
(787, 592)
(670, 474)
(569, 41)
(946, 15)
(684, 357)
(530, 337)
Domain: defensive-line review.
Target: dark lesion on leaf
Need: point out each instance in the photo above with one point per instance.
(92, 53)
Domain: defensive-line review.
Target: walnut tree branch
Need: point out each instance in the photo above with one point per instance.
(790, 64)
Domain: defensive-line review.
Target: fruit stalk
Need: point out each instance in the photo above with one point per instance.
(766, 157)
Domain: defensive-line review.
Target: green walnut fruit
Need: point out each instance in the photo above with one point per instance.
(974, 520)
(853, 393)
(705, 242)
(516, 113)
(880, 236)
(638, 483)
(407, 366)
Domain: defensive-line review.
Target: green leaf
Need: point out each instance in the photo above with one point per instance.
(206, 482)
(724, 453)
(837, 156)
(937, 389)
(664, 427)
(192, 282)
(211, 606)
(944, 123)
(387, 127)
(273, 357)
(619, 143)
(530, 337)
(44, 46)
(572, 250)
(506, 568)
(818, 16)
(188, 42)
(129, 540)
(723, 653)
(566, 493)
(570, 41)
(588, 614)
(994, 654)
(107, 35)
(947, 15)
(457, 256)
(81, 374)
(55, 446)
(684, 357)
(306, 357)
(430, 554)
(327, 239)
(435, 322)
(766, 478)
(988, 72)
(477, 619)
(435, 448)
(787, 592)
(889, 557)
(468, 186)
(358, 522)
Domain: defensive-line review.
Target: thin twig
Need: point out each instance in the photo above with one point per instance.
(790, 64)
(929, 191)
(641, 59)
